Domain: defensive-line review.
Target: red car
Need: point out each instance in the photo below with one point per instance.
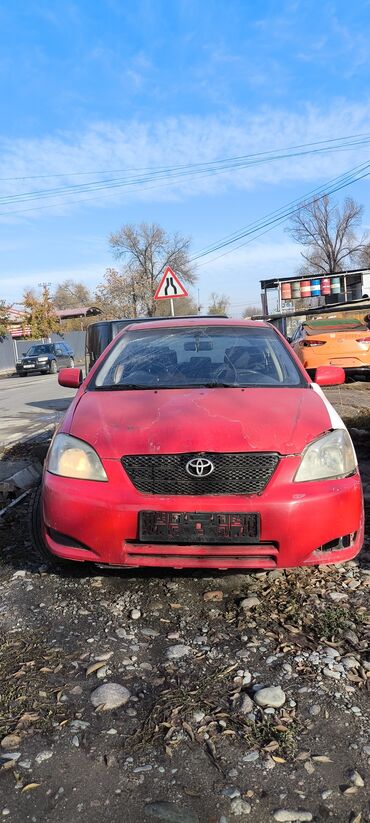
(201, 444)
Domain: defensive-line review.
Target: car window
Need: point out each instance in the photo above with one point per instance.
(199, 356)
(59, 349)
(42, 348)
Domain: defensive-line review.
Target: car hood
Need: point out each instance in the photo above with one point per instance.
(193, 420)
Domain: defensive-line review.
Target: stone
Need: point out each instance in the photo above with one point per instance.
(213, 596)
(289, 816)
(231, 792)
(11, 741)
(315, 710)
(356, 779)
(239, 807)
(250, 757)
(331, 673)
(250, 603)
(271, 696)
(338, 596)
(178, 651)
(170, 812)
(198, 716)
(110, 695)
(330, 652)
(135, 614)
(350, 663)
(247, 705)
(46, 754)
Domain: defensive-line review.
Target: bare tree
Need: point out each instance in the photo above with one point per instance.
(145, 251)
(219, 303)
(328, 234)
(71, 294)
(182, 305)
(251, 311)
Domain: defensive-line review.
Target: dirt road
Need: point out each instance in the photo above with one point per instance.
(190, 742)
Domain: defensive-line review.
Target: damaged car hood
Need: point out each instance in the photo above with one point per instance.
(166, 421)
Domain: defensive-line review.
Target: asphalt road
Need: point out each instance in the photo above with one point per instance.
(29, 404)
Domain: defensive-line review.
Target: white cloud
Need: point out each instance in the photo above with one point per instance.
(125, 150)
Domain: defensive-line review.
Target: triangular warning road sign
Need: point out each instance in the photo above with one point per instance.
(170, 286)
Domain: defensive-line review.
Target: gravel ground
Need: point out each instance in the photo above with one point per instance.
(221, 696)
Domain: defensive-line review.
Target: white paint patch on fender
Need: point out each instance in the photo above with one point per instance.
(335, 419)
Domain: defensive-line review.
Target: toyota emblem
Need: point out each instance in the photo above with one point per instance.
(200, 467)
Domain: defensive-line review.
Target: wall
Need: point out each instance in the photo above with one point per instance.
(75, 339)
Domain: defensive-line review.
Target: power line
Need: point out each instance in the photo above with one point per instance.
(359, 138)
(175, 173)
(266, 223)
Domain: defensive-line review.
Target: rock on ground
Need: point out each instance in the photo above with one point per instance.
(175, 652)
(289, 816)
(170, 812)
(271, 696)
(111, 695)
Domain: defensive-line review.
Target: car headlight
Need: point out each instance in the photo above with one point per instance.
(42, 359)
(332, 455)
(70, 457)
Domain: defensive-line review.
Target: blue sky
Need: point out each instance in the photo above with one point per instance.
(89, 87)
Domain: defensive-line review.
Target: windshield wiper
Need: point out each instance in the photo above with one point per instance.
(124, 387)
(211, 384)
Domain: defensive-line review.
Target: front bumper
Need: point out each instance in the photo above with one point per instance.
(98, 522)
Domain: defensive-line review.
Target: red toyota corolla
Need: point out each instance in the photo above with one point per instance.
(201, 444)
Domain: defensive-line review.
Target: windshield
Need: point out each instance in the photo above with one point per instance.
(202, 356)
(41, 349)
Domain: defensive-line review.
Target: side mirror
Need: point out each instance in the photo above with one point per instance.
(71, 378)
(329, 376)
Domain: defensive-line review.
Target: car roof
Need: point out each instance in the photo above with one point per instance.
(193, 322)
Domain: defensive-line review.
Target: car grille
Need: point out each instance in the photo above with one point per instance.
(234, 473)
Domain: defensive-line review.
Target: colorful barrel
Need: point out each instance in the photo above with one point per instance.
(335, 285)
(305, 288)
(286, 291)
(315, 288)
(296, 291)
(325, 285)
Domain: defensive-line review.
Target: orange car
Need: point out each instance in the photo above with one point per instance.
(333, 342)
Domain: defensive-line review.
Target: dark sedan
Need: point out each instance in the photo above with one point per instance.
(46, 358)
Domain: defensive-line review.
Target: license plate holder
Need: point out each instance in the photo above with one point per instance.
(221, 528)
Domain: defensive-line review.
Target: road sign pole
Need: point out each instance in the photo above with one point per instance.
(172, 308)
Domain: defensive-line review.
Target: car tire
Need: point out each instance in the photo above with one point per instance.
(71, 364)
(53, 368)
(41, 553)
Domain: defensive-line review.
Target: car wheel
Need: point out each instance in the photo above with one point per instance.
(71, 363)
(53, 368)
(40, 550)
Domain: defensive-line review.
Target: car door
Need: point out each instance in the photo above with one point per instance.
(61, 356)
(68, 353)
